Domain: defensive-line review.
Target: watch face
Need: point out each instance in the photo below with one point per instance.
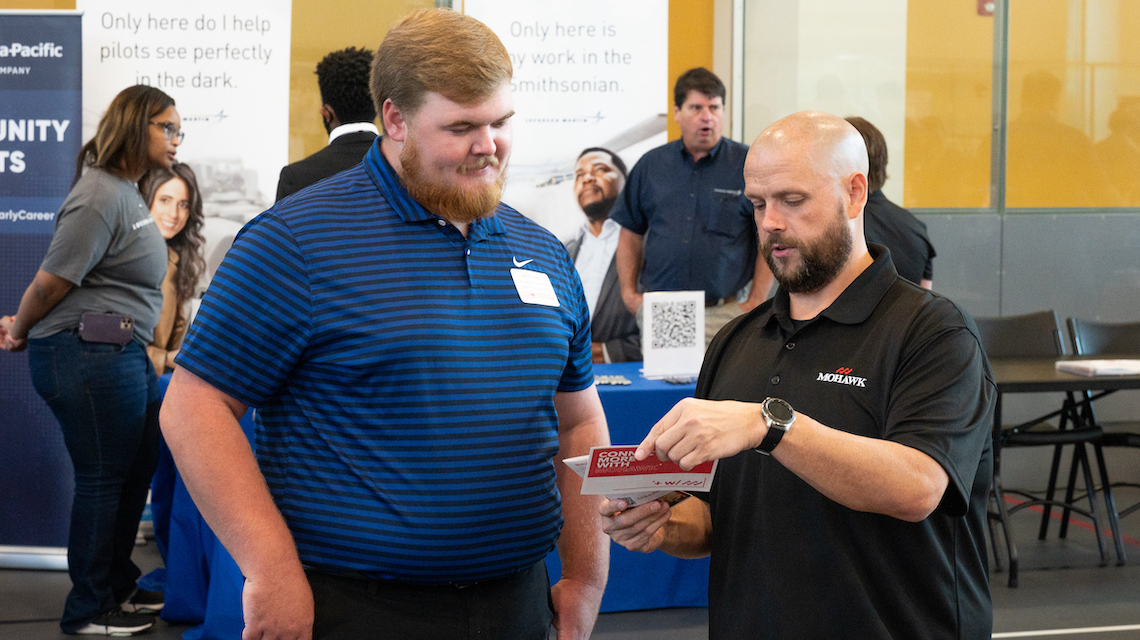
(780, 410)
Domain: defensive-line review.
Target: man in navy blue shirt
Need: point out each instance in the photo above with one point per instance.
(686, 224)
(419, 355)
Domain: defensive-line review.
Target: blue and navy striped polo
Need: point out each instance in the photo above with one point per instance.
(406, 393)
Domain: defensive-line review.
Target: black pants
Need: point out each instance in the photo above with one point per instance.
(516, 607)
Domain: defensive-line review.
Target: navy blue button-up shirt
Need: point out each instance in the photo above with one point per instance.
(698, 226)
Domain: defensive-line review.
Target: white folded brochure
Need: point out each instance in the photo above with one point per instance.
(1100, 367)
(615, 473)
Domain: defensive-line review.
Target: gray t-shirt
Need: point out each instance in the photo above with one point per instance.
(105, 243)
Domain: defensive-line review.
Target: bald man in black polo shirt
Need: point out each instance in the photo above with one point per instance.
(851, 414)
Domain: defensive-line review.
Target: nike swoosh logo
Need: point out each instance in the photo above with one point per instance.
(521, 264)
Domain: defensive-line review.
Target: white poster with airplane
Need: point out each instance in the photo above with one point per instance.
(589, 73)
(226, 65)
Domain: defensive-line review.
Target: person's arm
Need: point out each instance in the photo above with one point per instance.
(200, 425)
(629, 257)
(864, 474)
(682, 531)
(157, 357)
(583, 548)
(762, 280)
(927, 284)
(42, 295)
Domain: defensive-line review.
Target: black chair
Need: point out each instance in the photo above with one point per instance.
(1030, 336)
(1110, 339)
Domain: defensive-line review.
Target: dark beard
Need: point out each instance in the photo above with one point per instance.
(457, 205)
(820, 261)
(600, 210)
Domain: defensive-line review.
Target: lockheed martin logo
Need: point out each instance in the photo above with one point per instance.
(841, 376)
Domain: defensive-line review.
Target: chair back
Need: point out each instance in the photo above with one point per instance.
(1029, 335)
(1104, 338)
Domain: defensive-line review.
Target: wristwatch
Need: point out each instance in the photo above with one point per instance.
(779, 415)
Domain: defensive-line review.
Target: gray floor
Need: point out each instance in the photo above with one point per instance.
(1062, 588)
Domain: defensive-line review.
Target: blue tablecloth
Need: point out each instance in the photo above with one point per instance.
(203, 583)
(638, 580)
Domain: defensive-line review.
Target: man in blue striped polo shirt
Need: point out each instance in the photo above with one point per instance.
(420, 357)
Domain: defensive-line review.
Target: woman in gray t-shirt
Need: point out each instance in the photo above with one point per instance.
(106, 257)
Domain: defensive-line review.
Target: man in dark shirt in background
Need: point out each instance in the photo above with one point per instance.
(347, 113)
(686, 223)
(888, 224)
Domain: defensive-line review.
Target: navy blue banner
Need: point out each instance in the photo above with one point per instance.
(40, 135)
(40, 117)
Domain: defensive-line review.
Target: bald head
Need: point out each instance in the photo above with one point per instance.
(829, 143)
(806, 176)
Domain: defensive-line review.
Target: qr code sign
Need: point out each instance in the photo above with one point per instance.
(674, 325)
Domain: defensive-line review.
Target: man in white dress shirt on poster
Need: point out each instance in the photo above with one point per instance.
(599, 177)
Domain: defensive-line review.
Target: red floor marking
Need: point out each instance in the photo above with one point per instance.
(1073, 520)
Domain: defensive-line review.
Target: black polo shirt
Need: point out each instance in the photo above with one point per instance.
(700, 233)
(887, 360)
(888, 224)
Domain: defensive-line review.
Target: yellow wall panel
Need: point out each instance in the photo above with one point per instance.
(58, 5)
(322, 27)
(690, 45)
(1074, 104)
(948, 105)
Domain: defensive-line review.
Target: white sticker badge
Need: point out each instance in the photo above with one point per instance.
(534, 287)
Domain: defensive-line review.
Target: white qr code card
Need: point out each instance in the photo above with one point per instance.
(673, 333)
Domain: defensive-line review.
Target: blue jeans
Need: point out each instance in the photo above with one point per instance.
(106, 399)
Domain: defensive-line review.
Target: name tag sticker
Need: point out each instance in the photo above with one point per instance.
(534, 287)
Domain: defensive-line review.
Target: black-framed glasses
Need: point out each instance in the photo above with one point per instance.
(172, 134)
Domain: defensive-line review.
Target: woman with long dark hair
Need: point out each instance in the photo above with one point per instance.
(86, 319)
(176, 206)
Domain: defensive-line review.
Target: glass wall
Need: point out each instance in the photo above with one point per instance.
(949, 104)
(1074, 103)
(847, 58)
(922, 71)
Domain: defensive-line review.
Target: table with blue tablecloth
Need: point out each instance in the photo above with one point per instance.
(203, 583)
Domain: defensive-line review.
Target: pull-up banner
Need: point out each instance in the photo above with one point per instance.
(226, 64)
(40, 135)
(589, 73)
(40, 110)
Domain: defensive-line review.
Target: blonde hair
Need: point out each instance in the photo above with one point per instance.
(441, 51)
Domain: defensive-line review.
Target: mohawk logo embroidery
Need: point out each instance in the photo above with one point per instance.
(841, 377)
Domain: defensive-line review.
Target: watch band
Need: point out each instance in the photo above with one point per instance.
(777, 426)
(772, 438)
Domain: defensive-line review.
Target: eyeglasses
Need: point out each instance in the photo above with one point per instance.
(172, 134)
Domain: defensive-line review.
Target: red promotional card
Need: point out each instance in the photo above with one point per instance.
(613, 470)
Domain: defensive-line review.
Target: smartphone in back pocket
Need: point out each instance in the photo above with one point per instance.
(110, 328)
